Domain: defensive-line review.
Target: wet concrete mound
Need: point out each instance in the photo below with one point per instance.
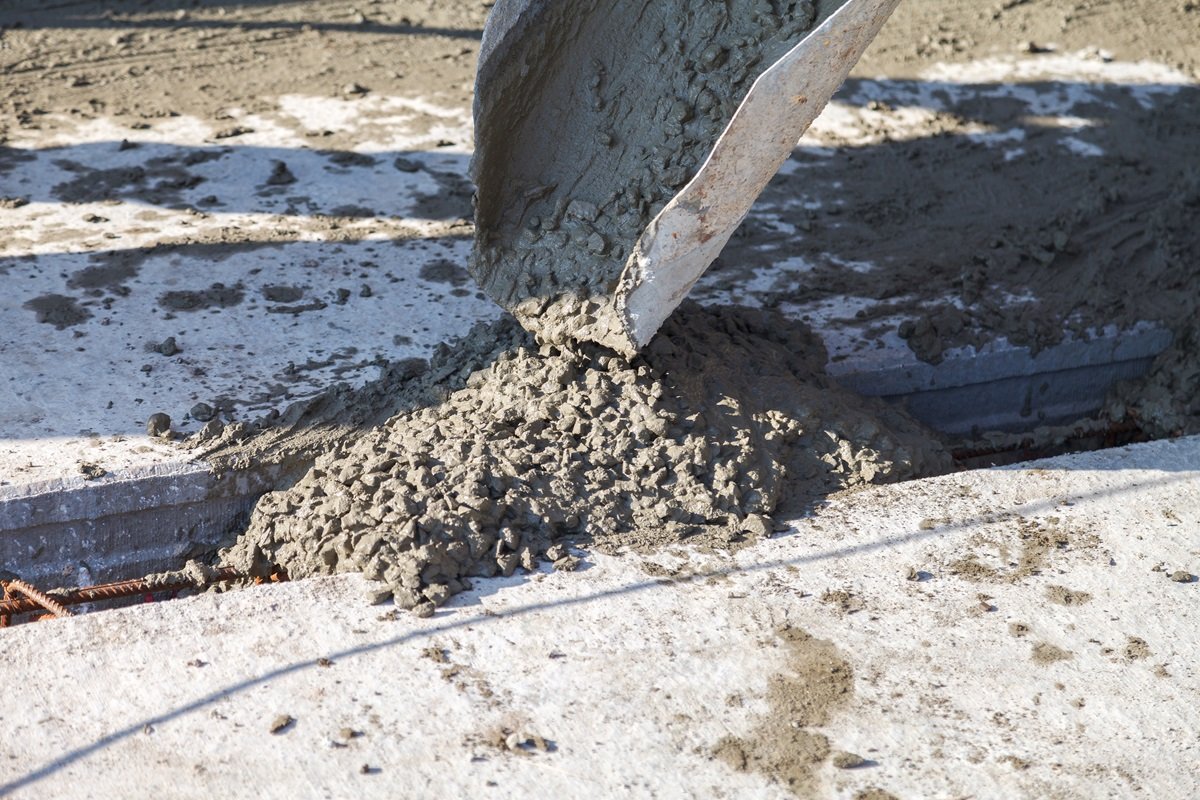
(724, 420)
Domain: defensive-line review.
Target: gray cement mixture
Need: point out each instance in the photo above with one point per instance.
(563, 197)
(724, 420)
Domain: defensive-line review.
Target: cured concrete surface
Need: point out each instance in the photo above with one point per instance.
(1018, 632)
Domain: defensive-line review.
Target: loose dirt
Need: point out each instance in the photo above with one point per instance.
(1066, 597)
(1045, 653)
(152, 60)
(783, 745)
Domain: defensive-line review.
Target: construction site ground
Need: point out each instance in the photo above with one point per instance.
(221, 211)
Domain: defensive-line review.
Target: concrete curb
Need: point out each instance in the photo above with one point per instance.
(1001, 387)
(120, 526)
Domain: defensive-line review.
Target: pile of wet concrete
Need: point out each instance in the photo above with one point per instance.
(509, 447)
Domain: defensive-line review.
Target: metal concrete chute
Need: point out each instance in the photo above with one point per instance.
(539, 148)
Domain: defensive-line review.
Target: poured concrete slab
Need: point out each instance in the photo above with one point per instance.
(275, 268)
(237, 265)
(1009, 633)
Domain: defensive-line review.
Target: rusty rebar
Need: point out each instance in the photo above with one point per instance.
(39, 598)
(105, 591)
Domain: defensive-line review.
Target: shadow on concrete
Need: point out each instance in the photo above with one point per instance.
(468, 598)
(1026, 209)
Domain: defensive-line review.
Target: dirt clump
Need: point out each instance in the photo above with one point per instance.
(725, 419)
(1045, 653)
(1136, 648)
(875, 793)
(1066, 597)
(58, 310)
(1023, 547)
(782, 746)
(844, 601)
(281, 723)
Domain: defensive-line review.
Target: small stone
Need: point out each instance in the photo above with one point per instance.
(167, 347)
(212, 430)
(158, 425)
(583, 210)
(355, 89)
(282, 723)
(567, 564)
(596, 244)
(229, 133)
(406, 164)
(1182, 576)
(91, 471)
(912, 574)
(378, 594)
(281, 175)
(757, 526)
(202, 412)
(424, 610)
(846, 760)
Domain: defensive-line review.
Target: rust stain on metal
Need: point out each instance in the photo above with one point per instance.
(22, 598)
(39, 598)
